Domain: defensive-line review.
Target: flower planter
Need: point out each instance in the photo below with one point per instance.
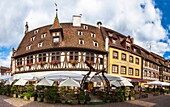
(82, 102)
(20, 96)
(39, 99)
(132, 98)
(15, 95)
(32, 99)
(26, 98)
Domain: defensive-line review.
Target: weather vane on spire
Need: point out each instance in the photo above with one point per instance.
(56, 6)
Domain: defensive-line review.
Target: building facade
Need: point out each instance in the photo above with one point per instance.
(60, 47)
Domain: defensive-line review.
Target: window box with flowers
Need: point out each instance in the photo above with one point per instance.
(55, 62)
(29, 64)
(90, 62)
(73, 62)
(41, 63)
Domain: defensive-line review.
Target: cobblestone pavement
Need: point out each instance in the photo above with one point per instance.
(156, 101)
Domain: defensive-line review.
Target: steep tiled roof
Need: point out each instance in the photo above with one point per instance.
(71, 38)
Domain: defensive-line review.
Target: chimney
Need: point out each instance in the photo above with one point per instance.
(26, 28)
(77, 20)
(99, 23)
(106, 43)
(132, 39)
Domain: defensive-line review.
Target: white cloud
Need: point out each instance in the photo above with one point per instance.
(6, 62)
(126, 16)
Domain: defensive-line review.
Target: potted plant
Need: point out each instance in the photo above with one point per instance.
(132, 94)
(87, 98)
(50, 95)
(127, 93)
(82, 97)
(40, 97)
(107, 98)
(27, 95)
(14, 91)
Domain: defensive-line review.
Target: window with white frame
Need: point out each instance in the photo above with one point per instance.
(85, 27)
(95, 43)
(32, 38)
(56, 39)
(56, 34)
(36, 31)
(42, 57)
(131, 59)
(136, 72)
(28, 47)
(90, 57)
(43, 35)
(123, 56)
(93, 35)
(55, 56)
(114, 68)
(40, 44)
(115, 54)
(80, 33)
(137, 60)
(81, 41)
(130, 72)
(123, 70)
(73, 56)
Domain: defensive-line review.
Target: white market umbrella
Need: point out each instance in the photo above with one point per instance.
(115, 83)
(165, 84)
(126, 83)
(9, 81)
(69, 82)
(21, 82)
(45, 82)
(154, 83)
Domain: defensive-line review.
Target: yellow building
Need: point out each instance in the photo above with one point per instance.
(124, 63)
(124, 57)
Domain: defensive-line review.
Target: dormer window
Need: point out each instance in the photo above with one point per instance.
(93, 35)
(135, 50)
(95, 43)
(113, 41)
(127, 45)
(43, 35)
(36, 31)
(32, 38)
(81, 41)
(85, 27)
(110, 34)
(40, 44)
(80, 33)
(28, 47)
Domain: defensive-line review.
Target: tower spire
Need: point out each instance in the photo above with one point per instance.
(56, 23)
(26, 27)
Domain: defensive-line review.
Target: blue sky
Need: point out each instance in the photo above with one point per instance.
(147, 21)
